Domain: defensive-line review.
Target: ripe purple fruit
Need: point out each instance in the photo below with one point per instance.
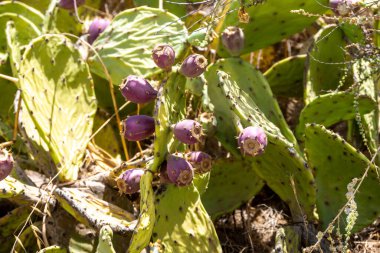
(233, 40)
(180, 171)
(138, 127)
(97, 26)
(201, 161)
(69, 4)
(137, 90)
(194, 65)
(188, 131)
(6, 163)
(129, 181)
(252, 141)
(164, 56)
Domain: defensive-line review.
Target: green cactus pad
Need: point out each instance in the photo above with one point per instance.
(126, 45)
(183, 225)
(201, 182)
(332, 108)
(144, 228)
(253, 83)
(288, 174)
(271, 21)
(363, 77)
(336, 163)
(286, 76)
(105, 240)
(63, 108)
(325, 62)
(53, 249)
(13, 220)
(170, 108)
(25, 18)
(92, 211)
(232, 183)
(8, 89)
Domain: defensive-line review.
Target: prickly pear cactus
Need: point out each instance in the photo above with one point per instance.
(105, 240)
(25, 18)
(288, 175)
(66, 102)
(92, 211)
(223, 195)
(253, 83)
(332, 108)
(183, 224)
(131, 54)
(325, 63)
(270, 21)
(286, 76)
(334, 170)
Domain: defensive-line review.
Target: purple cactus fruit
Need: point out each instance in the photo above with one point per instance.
(6, 163)
(138, 127)
(233, 40)
(137, 90)
(69, 4)
(97, 26)
(201, 161)
(129, 181)
(194, 65)
(180, 171)
(342, 7)
(252, 141)
(164, 56)
(188, 131)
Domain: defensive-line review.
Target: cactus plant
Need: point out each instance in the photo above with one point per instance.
(232, 182)
(145, 30)
(62, 138)
(105, 240)
(334, 170)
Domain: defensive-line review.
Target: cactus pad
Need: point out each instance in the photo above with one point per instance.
(253, 83)
(288, 174)
(63, 108)
(325, 62)
(105, 240)
(92, 211)
(336, 163)
(184, 224)
(232, 183)
(126, 45)
(271, 21)
(286, 76)
(332, 108)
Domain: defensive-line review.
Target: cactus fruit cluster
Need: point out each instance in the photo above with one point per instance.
(141, 123)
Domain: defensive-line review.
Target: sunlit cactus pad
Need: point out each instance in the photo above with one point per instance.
(126, 45)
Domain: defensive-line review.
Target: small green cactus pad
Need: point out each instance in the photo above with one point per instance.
(53, 249)
(183, 225)
(105, 240)
(201, 182)
(336, 163)
(169, 109)
(366, 85)
(63, 108)
(25, 18)
(325, 62)
(13, 220)
(287, 240)
(253, 83)
(144, 228)
(332, 108)
(92, 211)
(232, 183)
(288, 174)
(126, 45)
(286, 76)
(271, 21)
